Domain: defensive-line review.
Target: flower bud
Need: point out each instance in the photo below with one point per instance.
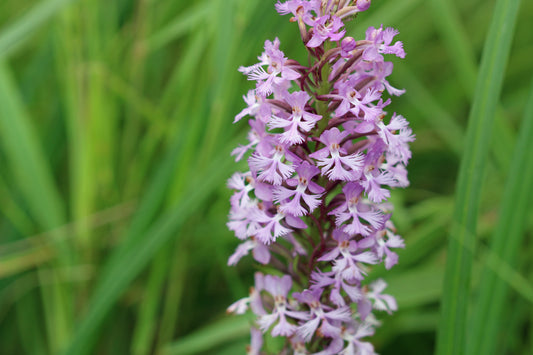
(362, 5)
(348, 44)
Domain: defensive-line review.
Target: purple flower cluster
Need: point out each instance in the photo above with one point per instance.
(322, 158)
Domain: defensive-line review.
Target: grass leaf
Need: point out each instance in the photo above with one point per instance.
(210, 337)
(15, 35)
(137, 253)
(505, 242)
(452, 328)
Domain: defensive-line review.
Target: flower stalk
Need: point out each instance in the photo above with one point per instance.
(323, 154)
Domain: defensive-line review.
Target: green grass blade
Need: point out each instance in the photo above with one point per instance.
(138, 252)
(210, 337)
(15, 35)
(13, 211)
(32, 173)
(180, 26)
(17, 263)
(174, 294)
(28, 164)
(505, 242)
(452, 328)
(460, 50)
(462, 57)
(146, 325)
(29, 324)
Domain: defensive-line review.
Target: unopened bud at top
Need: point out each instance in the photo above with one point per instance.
(348, 44)
(362, 5)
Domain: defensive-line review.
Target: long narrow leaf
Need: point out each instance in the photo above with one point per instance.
(14, 35)
(462, 57)
(32, 173)
(134, 258)
(210, 337)
(452, 329)
(505, 242)
(27, 161)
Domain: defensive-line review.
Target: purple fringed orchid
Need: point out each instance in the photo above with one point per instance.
(326, 27)
(323, 155)
(357, 211)
(298, 122)
(335, 166)
(277, 72)
(302, 202)
(278, 288)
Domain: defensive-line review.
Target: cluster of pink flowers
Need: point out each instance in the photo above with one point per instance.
(322, 155)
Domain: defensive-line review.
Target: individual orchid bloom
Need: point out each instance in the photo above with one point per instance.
(299, 119)
(241, 219)
(326, 27)
(301, 9)
(259, 250)
(336, 167)
(271, 227)
(355, 210)
(241, 183)
(244, 184)
(356, 102)
(383, 247)
(330, 321)
(397, 143)
(277, 71)
(345, 244)
(256, 135)
(279, 288)
(386, 132)
(346, 260)
(294, 206)
(350, 266)
(378, 42)
(335, 282)
(376, 73)
(381, 302)
(397, 170)
(373, 179)
(270, 163)
(253, 301)
(257, 107)
(353, 336)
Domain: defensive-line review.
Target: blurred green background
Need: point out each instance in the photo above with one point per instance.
(115, 133)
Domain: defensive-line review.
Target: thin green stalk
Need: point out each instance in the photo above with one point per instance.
(183, 24)
(173, 296)
(17, 33)
(29, 325)
(210, 337)
(451, 337)
(32, 174)
(462, 57)
(146, 327)
(128, 261)
(505, 242)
